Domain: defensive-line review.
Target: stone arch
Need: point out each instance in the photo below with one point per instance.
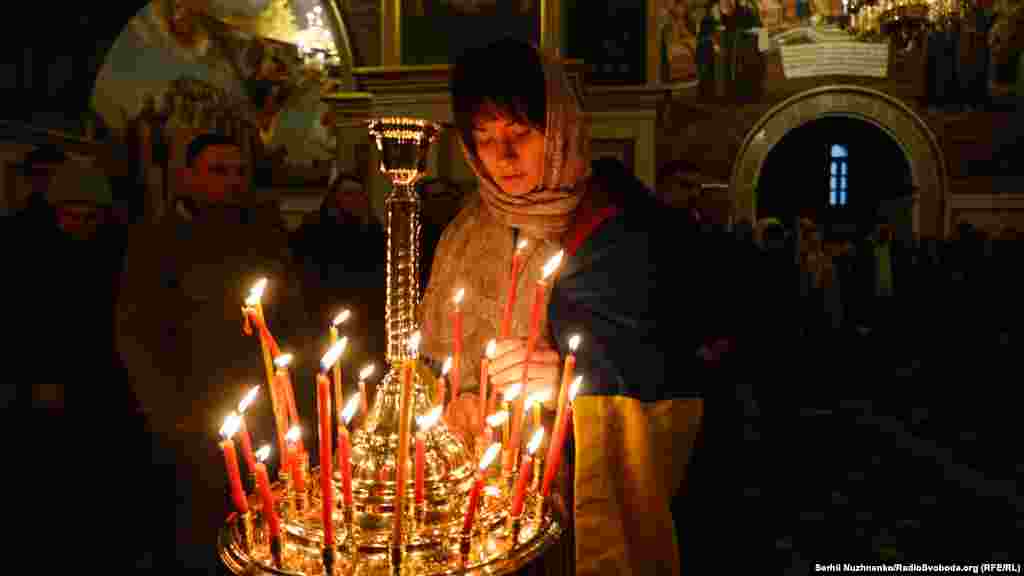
(900, 122)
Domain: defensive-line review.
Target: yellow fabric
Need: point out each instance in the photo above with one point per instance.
(631, 459)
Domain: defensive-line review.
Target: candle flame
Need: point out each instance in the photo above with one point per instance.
(341, 318)
(575, 388)
(535, 441)
(539, 397)
(552, 265)
(283, 360)
(367, 371)
(293, 434)
(333, 353)
(492, 349)
(250, 397)
(497, 419)
(512, 392)
(263, 453)
(574, 342)
(490, 455)
(492, 491)
(414, 343)
(256, 292)
(350, 409)
(447, 366)
(459, 296)
(522, 245)
(231, 424)
(431, 418)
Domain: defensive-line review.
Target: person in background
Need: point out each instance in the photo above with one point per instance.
(179, 336)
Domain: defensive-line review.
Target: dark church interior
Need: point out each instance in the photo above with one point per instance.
(873, 422)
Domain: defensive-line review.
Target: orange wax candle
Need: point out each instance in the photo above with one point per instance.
(485, 362)
(519, 494)
(365, 373)
(421, 454)
(345, 449)
(478, 486)
(263, 483)
(246, 440)
(323, 389)
(510, 300)
(287, 393)
(234, 476)
(558, 441)
(567, 374)
(457, 345)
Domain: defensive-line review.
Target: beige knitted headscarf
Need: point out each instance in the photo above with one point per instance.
(547, 210)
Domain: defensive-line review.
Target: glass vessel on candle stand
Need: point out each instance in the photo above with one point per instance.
(431, 532)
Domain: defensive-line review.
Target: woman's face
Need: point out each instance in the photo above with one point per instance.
(512, 152)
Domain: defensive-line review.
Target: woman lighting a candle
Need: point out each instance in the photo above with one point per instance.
(523, 134)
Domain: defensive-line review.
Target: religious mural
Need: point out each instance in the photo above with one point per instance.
(437, 31)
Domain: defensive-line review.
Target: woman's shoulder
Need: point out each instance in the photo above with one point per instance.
(467, 221)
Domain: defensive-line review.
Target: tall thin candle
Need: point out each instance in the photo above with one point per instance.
(567, 373)
(339, 393)
(510, 300)
(364, 398)
(519, 494)
(295, 459)
(478, 485)
(323, 393)
(283, 381)
(402, 459)
(540, 295)
(243, 431)
(558, 441)
(485, 363)
(442, 382)
(253, 311)
(457, 343)
(508, 397)
(231, 462)
(263, 484)
(345, 448)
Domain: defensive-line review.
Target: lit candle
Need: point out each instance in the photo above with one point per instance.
(536, 402)
(339, 394)
(365, 373)
(323, 393)
(231, 462)
(491, 423)
(402, 459)
(442, 382)
(519, 495)
(508, 397)
(457, 343)
(531, 344)
(510, 300)
(263, 484)
(567, 373)
(294, 436)
(253, 311)
(345, 449)
(485, 362)
(478, 485)
(243, 431)
(286, 391)
(557, 442)
(424, 424)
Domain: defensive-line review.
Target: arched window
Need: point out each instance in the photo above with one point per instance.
(837, 175)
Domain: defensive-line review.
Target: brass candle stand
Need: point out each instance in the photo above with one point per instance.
(432, 541)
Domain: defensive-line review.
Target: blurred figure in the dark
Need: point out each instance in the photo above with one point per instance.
(179, 334)
(341, 249)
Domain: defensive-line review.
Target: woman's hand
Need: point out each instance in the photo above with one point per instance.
(507, 368)
(463, 417)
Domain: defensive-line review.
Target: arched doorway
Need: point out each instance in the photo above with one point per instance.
(844, 174)
(899, 122)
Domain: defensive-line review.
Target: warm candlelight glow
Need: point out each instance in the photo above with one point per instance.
(492, 491)
(459, 296)
(293, 434)
(552, 265)
(367, 371)
(574, 342)
(492, 349)
(447, 367)
(250, 397)
(231, 424)
(490, 455)
(414, 343)
(341, 318)
(256, 292)
(497, 419)
(263, 453)
(429, 419)
(350, 408)
(512, 392)
(575, 388)
(284, 360)
(534, 444)
(333, 353)
(522, 245)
